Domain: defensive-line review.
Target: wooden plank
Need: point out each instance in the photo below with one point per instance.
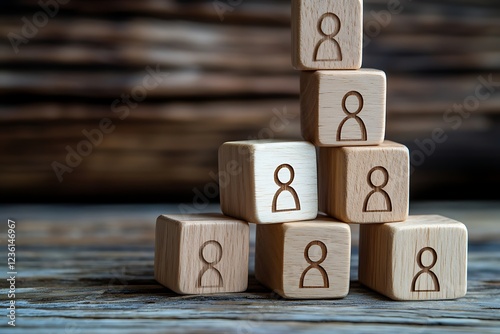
(90, 269)
(172, 84)
(417, 94)
(250, 11)
(267, 13)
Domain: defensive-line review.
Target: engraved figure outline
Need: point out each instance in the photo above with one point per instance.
(426, 270)
(378, 189)
(316, 265)
(207, 265)
(354, 116)
(285, 186)
(326, 36)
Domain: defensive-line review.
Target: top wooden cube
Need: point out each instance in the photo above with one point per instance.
(327, 34)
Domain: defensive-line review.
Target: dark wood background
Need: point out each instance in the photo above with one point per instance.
(222, 81)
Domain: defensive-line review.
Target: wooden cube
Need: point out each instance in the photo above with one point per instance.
(304, 260)
(201, 253)
(343, 108)
(268, 181)
(365, 184)
(423, 258)
(327, 34)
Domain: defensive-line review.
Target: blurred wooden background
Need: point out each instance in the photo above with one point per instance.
(225, 77)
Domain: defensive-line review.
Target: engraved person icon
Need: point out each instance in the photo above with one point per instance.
(210, 255)
(426, 280)
(352, 123)
(314, 276)
(286, 194)
(328, 49)
(378, 199)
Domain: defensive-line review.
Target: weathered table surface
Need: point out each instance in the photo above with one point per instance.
(89, 269)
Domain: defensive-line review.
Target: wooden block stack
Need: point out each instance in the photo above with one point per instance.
(274, 185)
(303, 194)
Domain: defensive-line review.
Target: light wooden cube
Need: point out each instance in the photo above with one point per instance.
(365, 184)
(343, 108)
(327, 34)
(201, 253)
(304, 260)
(423, 258)
(268, 181)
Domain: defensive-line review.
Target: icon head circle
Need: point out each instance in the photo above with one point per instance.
(373, 182)
(359, 97)
(277, 178)
(207, 253)
(323, 252)
(329, 25)
(421, 253)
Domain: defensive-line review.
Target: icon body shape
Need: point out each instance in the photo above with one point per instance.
(426, 271)
(284, 189)
(314, 266)
(328, 49)
(352, 119)
(378, 194)
(210, 277)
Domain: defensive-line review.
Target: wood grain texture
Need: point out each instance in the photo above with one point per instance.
(364, 184)
(268, 181)
(423, 258)
(90, 269)
(327, 34)
(304, 260)
(201, 254)
(90, 53)
(343, 108)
